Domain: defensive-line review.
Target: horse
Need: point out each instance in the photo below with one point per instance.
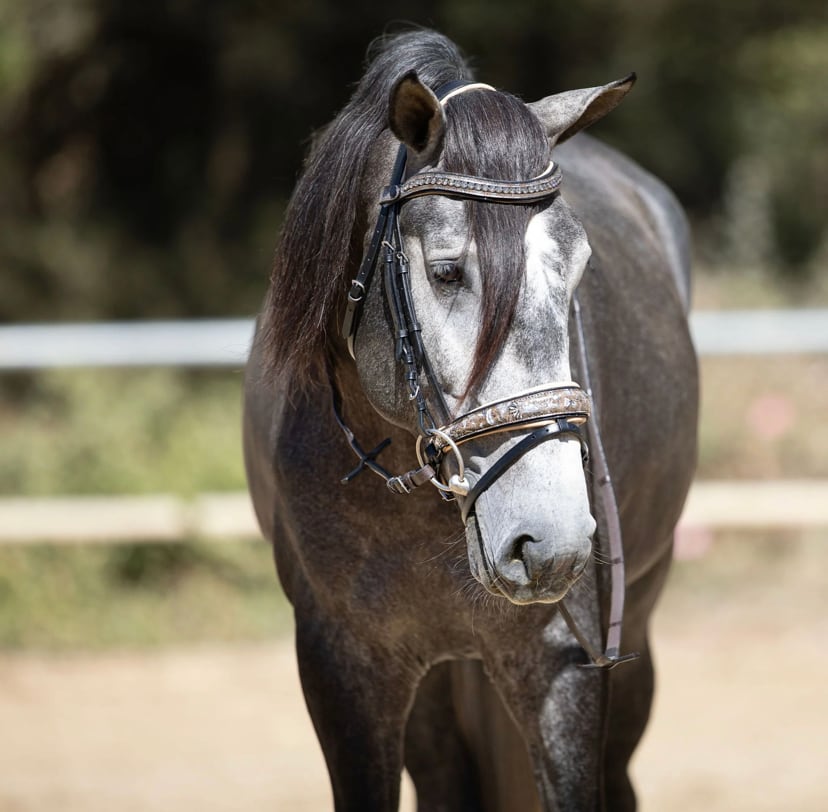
(451, 262)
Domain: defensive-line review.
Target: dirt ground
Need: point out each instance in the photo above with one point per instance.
(739, 723)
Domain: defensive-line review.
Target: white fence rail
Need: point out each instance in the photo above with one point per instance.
(194, 343)
(788, 504)
(760, 332)
(126, 518)
(225, 342)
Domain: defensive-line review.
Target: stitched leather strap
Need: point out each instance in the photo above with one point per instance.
(405, 483)
(530, 410)
(605, 493)
(468, 187)
(362, 281)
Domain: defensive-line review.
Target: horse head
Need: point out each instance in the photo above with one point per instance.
(491, 283)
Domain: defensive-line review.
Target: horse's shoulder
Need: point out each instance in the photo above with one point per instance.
(604, 182)
(263, 417)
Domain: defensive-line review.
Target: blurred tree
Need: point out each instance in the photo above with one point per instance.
(785, 134)
(148, 149)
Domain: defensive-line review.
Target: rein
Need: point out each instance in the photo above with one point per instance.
(550, 412)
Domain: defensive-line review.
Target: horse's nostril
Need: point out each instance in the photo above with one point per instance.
(535, 556)
(532, 568)
(536, 560)
(519, 548)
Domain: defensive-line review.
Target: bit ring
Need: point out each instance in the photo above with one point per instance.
(457, 484)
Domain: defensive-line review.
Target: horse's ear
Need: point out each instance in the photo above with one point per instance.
(416, 117)
(565, 114)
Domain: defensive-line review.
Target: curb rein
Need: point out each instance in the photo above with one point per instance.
(550, 412)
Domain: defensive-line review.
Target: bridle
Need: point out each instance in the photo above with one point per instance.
(557, 411)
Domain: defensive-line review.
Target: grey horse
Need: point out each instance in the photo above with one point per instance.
(425, 641)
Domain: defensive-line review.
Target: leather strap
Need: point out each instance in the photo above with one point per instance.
(451, 184)
(405, 483)
(457, 86)
(362, 281)
(530, 410)
(561, 429)
(606, 495)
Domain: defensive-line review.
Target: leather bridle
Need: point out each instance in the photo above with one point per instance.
(557, 411)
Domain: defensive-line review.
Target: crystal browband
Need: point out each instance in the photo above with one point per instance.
(452, 184)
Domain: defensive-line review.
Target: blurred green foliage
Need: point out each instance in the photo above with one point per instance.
(148, 148)
(70, 597)
(84, 432)
(131, 431)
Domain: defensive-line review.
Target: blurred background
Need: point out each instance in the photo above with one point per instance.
(147, 151)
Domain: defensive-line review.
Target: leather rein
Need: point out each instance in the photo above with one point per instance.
(554, 411)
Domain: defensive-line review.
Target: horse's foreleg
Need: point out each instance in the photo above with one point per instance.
(559, 707)
(437, 755)
(631, 691)
(631, 696)
(358, 697)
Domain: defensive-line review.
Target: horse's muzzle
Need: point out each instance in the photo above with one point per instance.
(529, 568)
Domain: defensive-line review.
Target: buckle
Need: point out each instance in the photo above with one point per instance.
(357, 292)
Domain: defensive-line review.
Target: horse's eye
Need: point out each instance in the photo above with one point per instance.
(448, 273)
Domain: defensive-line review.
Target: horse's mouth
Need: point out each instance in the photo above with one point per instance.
(524, 595)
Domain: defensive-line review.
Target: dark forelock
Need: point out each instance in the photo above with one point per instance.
(494, 135)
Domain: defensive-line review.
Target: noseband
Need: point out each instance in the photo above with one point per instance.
(551, 412)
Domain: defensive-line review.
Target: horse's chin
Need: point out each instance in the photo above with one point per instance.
(526, 595)
(482, 571)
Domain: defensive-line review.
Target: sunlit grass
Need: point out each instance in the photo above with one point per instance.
(120, 431)
(91, 596)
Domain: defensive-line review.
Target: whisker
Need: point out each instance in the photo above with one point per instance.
(584, 585)
(601, 558)
(448, 545)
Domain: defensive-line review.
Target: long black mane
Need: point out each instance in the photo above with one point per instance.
(317, 238)
(488, 134)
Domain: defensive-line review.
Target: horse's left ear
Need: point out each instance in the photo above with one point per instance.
(565, 114)
(416, 117)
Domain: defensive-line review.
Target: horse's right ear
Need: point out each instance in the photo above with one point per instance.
(416, 118)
